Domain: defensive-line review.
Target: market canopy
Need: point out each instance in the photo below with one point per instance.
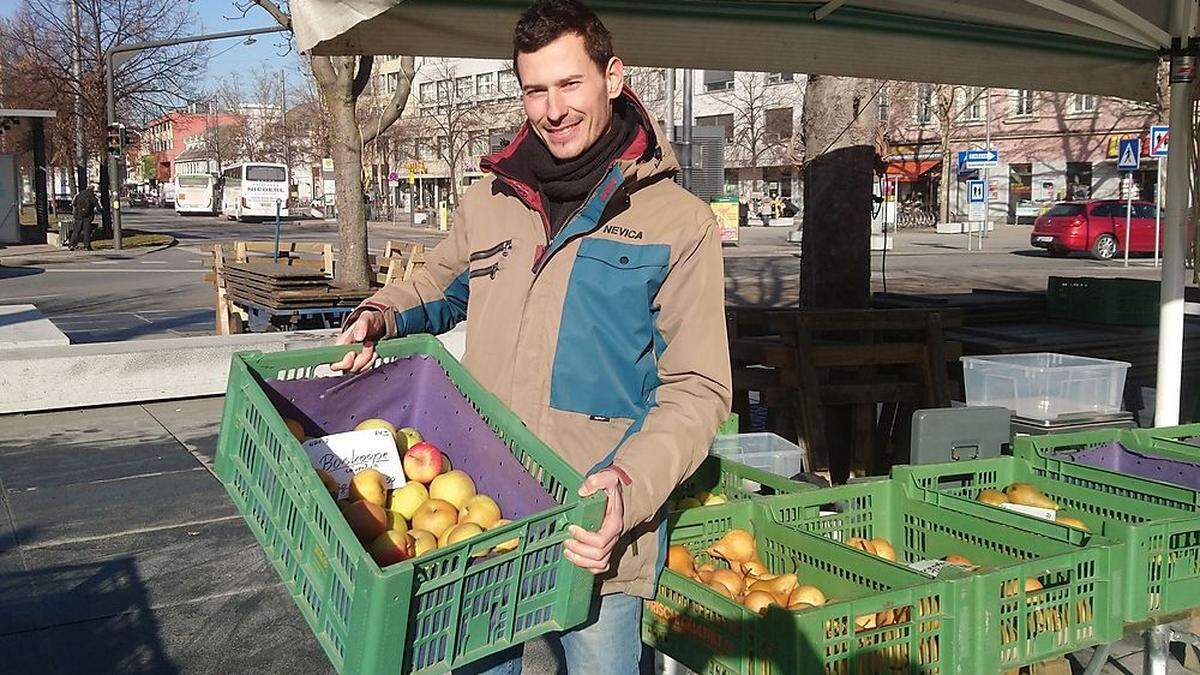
(1106, 47)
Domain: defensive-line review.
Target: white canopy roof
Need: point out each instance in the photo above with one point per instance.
(1108, 47)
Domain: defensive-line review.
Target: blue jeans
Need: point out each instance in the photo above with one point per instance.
(608, 643)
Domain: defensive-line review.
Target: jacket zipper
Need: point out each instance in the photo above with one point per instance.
(540, 263)
(502, 247)
(489, 271)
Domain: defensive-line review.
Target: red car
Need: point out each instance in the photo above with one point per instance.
(1096, 226)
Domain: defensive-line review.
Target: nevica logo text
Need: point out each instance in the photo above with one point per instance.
(622, 232)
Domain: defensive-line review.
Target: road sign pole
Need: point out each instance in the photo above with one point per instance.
(1157, 208)
(1128, 213)
(277, 226)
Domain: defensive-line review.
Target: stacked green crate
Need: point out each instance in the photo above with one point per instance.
(878, 617)
(999, 624)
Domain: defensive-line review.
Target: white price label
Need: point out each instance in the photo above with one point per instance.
(935, 567)
(1036, 512)
(345, 454)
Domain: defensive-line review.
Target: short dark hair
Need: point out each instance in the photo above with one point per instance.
(547, 20)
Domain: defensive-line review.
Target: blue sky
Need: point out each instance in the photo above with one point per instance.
(263, 54)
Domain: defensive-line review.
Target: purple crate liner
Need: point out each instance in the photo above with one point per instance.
(1116, 457)
(416, 392)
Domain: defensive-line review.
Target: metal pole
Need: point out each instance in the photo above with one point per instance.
(277, 226)
(688, 81)
(76, 74)
(987, 170)
(113, 173)
(1170, 333)
(1128, 214)
(1158, 640)
(1157, 206)
(669, 104)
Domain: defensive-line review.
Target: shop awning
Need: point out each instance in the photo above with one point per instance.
(910, 170)
(1107, 47)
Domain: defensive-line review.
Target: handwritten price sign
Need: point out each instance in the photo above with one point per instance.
(345, 454)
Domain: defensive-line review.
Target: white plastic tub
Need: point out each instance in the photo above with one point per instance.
(765, 451)
(1045, 386)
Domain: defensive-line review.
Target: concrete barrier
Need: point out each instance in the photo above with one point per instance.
(26, 326)
(137, 371)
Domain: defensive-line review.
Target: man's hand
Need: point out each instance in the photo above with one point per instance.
(367, 328)
(591, 550)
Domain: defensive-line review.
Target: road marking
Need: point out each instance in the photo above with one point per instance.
(109, 271)
(105, 262)
(153, 262)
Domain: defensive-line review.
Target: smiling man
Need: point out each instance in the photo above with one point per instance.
(593, 290)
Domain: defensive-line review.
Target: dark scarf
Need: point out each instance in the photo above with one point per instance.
(565, 184)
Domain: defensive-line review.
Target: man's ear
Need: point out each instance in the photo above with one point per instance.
(614, 76)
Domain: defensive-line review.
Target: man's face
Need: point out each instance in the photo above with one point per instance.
(567, 98)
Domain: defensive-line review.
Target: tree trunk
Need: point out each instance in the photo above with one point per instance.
(352, 269)
(944, 182)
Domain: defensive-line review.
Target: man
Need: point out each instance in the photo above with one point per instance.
(593, 290)
(83, 208)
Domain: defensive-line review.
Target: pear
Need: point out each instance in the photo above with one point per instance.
(704, 572)
(805, 594)
(720, 588)
(758, 601)
(1071, 522)
(958, 560)
(993, 497)
(680, 560)
(1024, 493)
(755, 568)
(737, 546)
(884, 549)
(783, 583)
(729, 579)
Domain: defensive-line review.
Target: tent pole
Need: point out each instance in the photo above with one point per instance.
(1170, 329)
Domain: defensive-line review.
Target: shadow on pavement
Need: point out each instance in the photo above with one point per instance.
(7, 272)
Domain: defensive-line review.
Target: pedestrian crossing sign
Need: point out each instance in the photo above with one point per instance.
(1129, 155)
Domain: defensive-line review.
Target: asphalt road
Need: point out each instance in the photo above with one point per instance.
(106, 296)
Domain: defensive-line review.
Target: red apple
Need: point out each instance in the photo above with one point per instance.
(423, 462)
(391, 547)
(367, 520)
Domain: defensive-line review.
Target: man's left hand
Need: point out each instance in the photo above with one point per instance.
(592, 550)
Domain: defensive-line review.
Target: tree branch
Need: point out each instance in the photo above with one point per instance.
(395, 106)
(276, 13)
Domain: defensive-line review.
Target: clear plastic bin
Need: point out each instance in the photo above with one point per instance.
(1045, 386)
(765, 451)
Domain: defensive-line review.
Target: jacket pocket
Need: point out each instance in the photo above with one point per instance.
(501, 249)
(608, 344)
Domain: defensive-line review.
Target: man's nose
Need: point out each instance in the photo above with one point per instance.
(556, 108)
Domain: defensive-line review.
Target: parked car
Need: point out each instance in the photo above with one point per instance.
(1096, 226)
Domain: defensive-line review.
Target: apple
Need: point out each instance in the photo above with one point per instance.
(376, 423)
(330, 483)
(407, 437)
(296, 428)
(459, 533)
(435, 516)
(481, 510)
(423, 462)
(367, 520)
(391, 547)
(423, 541)
(407, 498)
(455, 487)
(504, 546)
(447, 465)
(369, 485)
(397, 522)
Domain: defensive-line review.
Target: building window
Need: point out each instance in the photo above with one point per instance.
(1083, 103)
(923, 108)
(779, 78)
(1079, 180)
(426, 92)
(443, 91)
(508, 83)
(884, 97)
(485, 84)
(718, 80)
(778, 125)
(718, 121)
(974, 104)
(1023, 102)
(464, 88)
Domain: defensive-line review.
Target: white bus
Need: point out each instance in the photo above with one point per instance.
(195, 193)
(252, 191)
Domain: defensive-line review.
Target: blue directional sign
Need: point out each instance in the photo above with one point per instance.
(1129, 154)
(976, 191)
(978, 159)
(1159, 136)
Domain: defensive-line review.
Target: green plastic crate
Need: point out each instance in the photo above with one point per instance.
(710, 633)
(1120, 302)
(1161, 537)
(735, 481)
(999, 628)
(441, 610)
(1181, 441)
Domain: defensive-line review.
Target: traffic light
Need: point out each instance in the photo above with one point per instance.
(123, 136)
(112, 138)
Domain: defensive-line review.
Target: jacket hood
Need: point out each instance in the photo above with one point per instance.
(648, 155)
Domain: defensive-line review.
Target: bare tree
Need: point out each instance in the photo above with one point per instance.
(341, 81)
(762, 120)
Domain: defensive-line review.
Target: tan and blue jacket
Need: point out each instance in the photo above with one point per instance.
(607, 339)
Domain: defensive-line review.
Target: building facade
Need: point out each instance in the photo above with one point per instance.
(167, 137)
(1052, 146)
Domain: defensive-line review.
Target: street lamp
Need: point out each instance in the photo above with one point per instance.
(111, 61)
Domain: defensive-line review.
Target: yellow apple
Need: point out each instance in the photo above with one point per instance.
(435, 516)
(459, 533)
(455, 487)
(376, 423)
(423, 541)
(397, 522)
(407, 437)
(481, 510)
(367, 520)
(713, 500)
(369, 485)
(391, 547)
(504, 546)
(407, 498)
